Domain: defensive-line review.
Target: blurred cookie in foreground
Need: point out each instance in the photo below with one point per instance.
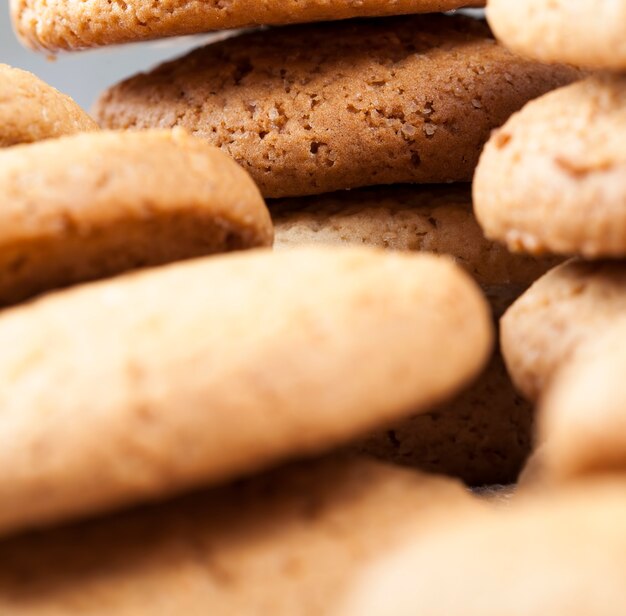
(31, 110)
(89, 206)
(201, 372)
(316, 108)
(558, 552)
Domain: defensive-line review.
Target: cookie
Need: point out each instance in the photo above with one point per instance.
(553, 179)
(88, 206)
(31, 110)
(483, 436)
(219, 367)
(546, 325)
(316, 108)
(282, 544)
(583, 422)
(562, 552)
(586, 33)
(55, 24)
(434, 218)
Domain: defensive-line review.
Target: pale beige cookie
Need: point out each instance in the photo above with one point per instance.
(483, 436)
(546, 325)
(583, 414)
(553, 179)
(56, 24)
(283, 544)
(559, 552)
(88, 206)
(583, 32)
(312, 109)
(31, 110)
(143, 386)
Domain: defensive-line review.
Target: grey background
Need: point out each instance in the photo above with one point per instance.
(83, 75)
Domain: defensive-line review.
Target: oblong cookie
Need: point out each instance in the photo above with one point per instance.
(582, 424)
(585, 32)
(484, 435)
(89, 206)
(202, 371)
(31, 110)
(282, 544)
(553, 178)
(55, 24)
(554, 553)
(545, 326)
(312, 109)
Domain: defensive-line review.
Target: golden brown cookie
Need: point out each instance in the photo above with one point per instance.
(89, 206)
(312, 109)
(545, 326)
(31, 110)
(149, 384)
(583, 413)
(553, 179)
(56, 24)
(582, 32)
(559, 552)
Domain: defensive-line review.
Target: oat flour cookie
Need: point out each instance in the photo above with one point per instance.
(55, 24)
(31, 110)
(149, 384)
(546, 325)
(560, 552)
(553, 179)
(583, 32)
(312, 109)
(89, 206)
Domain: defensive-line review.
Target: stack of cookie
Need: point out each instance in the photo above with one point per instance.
(553, 181)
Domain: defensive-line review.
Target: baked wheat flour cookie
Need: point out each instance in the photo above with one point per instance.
(545, 326)
(559, 552)
(282, 544)
(312, 109)
(484, 435)
(553, 178)
(55, 24)
(584, 32)
(31, 110)
(583, 414)
(92, 205)
(219, 367)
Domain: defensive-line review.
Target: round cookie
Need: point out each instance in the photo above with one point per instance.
(560, 552)
(283, 544)
(312, 109)
(56, 24)
(546, 325)
(31, 110)
(88, 206)
(583, 414)
(585, 32)
(553, 179)
(199, 372)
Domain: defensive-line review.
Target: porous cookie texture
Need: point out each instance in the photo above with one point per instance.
(219, 367)
(282, 544)
(583, 414)
(586, 32)
(483, 436)
(545, 326)
(56, 24)
(31, 110)
(559, 552)
(553, 178)
(433, 218)
(312, 109)
(88, 206)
